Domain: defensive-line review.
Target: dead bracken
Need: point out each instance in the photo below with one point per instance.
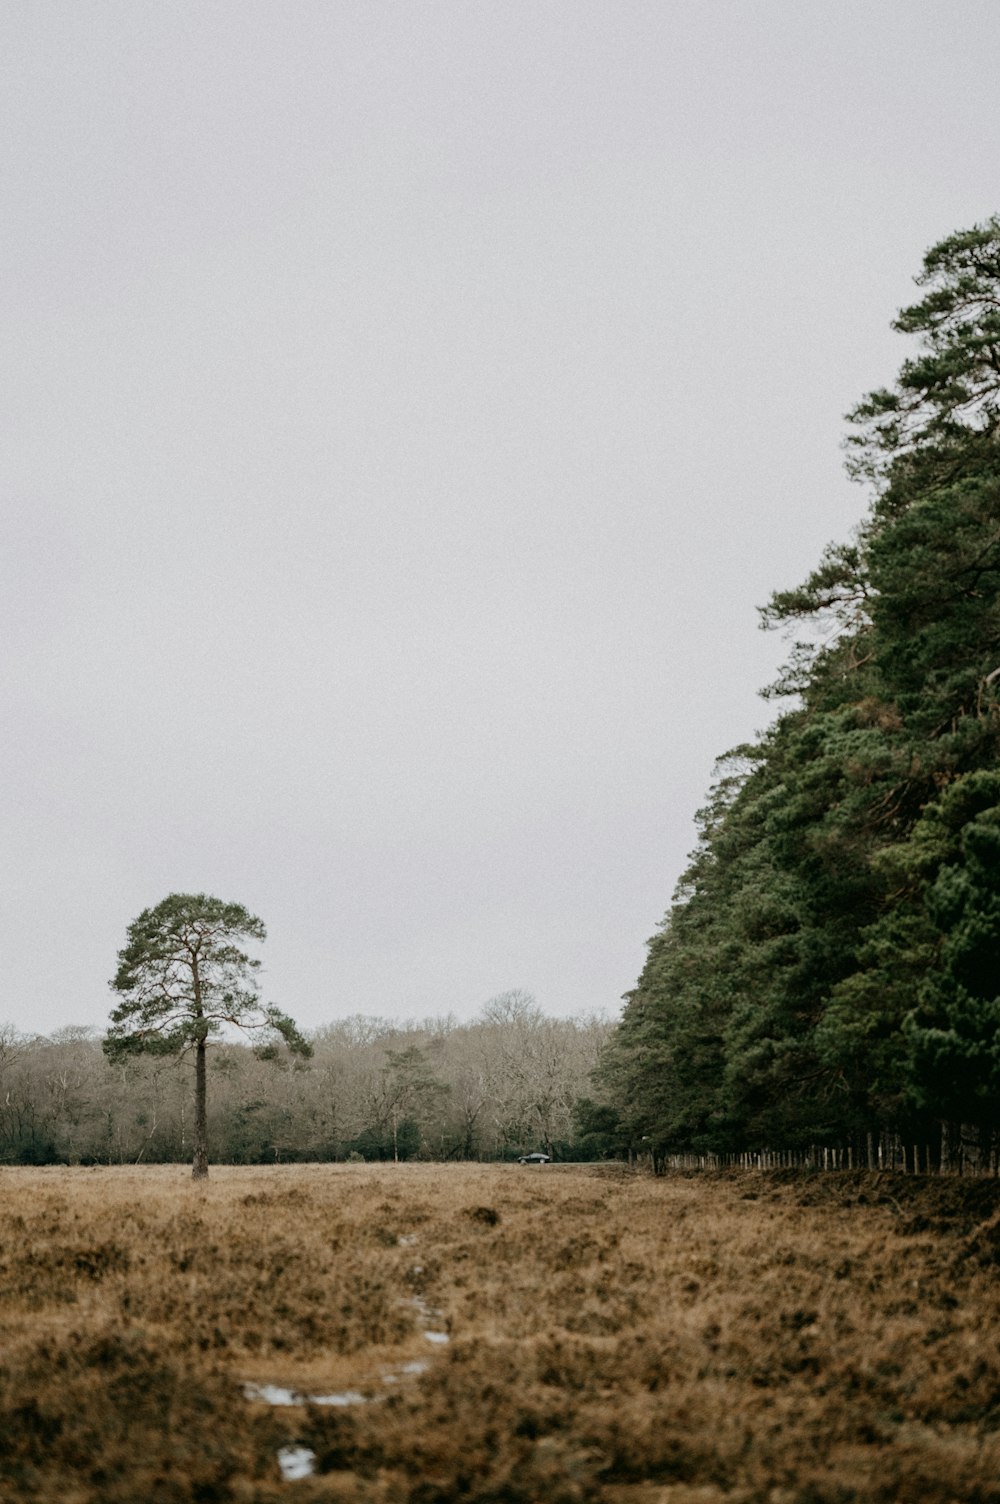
(609, 1338)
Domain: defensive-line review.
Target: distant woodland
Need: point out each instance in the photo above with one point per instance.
(828, 972)
(507, 1083)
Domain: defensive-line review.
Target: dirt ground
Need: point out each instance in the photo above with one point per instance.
(497, 1335)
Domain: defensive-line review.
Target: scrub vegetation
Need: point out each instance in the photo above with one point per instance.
(757, 1338)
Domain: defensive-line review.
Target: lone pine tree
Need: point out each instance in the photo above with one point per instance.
(183, 977)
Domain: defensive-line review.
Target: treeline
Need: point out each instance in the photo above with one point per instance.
(829, 971)
(508, 1083)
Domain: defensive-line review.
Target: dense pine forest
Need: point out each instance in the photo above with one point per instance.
(827, 973)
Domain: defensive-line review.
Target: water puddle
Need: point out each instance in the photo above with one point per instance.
(405, 1371)
(275, 1394)
(296, 1462)
(299, 1461)
(426, 1313)
(428, 1316)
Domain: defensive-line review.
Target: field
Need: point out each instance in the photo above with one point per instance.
(497, 1334)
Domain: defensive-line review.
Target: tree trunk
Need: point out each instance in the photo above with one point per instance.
(200, 1169)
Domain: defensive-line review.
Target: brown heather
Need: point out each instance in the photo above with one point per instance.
(783, 1339)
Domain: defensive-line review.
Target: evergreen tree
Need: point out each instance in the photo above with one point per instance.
(183, 978)
(825, 967)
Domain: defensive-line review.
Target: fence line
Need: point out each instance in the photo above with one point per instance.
(957, 1153)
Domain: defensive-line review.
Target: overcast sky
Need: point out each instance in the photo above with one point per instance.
(406, 406)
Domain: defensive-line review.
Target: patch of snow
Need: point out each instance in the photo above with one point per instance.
(440, 1337)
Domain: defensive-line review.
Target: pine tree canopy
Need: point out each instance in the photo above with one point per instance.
(183, 977)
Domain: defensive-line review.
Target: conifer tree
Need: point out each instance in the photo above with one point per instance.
(825, 968)
(183, 977)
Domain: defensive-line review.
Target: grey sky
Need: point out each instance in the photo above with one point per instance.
(406, 406)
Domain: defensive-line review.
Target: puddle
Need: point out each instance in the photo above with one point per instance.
(271, 1394)
(427, 1314)
(275, 1394)
(296, 1462)
(299, 1461)
(406, 1371)
(423, 1308)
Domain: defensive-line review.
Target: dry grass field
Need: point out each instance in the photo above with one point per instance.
(784, 1339)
